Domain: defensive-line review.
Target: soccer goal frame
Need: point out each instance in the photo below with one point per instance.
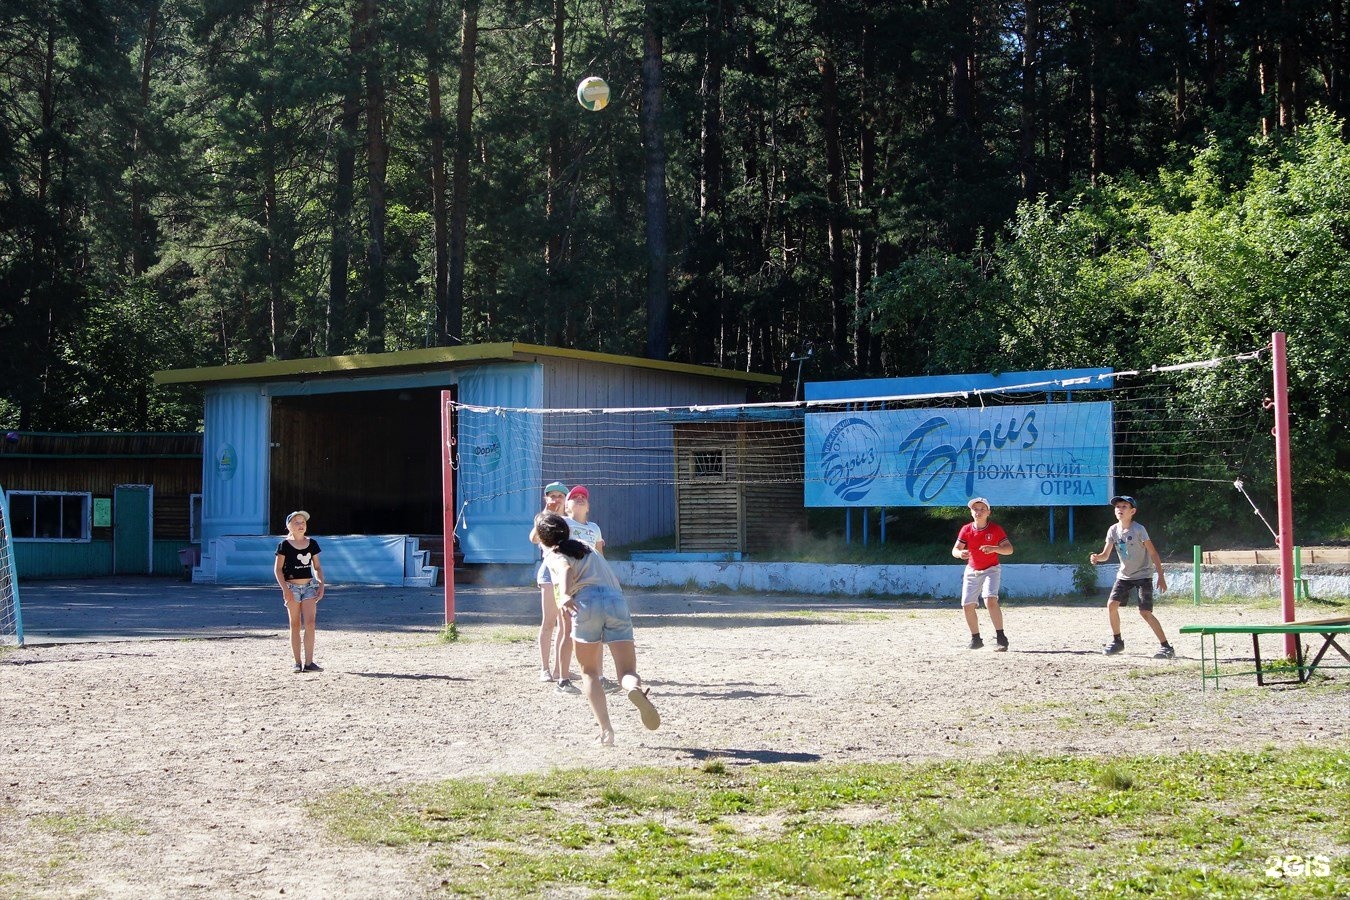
(11, 611)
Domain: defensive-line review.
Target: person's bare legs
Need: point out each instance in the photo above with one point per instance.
(562, 646)
(309, 612)
(549, 621)
(589, 657)
(625, 670)
(293, 613)
(1113, 613)
(1147, 616)
(972, 618)
(995, 613)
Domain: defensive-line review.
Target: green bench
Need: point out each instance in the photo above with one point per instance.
(1329, 629)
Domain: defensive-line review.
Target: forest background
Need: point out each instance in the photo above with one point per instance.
(898, 188)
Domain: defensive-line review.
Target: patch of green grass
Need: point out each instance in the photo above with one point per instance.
(449, 633)
(1194, 825)
(838, 615)
(76, 824)
(513, 634)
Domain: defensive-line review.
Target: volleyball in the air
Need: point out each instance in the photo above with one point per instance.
(593, 93)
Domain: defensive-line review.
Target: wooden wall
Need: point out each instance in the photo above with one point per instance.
(360, 463)
(176, 475)
(754, 505)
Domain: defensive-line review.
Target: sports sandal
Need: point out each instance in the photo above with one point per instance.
(650, 717)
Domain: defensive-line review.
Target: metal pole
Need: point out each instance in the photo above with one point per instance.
(1300, 589)
(1199, 557)
(1284, 486)
(448, 504)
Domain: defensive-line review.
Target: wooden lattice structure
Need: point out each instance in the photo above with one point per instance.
(738, 486)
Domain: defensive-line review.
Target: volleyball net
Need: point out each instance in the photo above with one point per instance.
(1064, 441)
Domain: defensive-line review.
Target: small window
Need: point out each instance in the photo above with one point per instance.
(195, 519)
(49, 516)
(709, 465)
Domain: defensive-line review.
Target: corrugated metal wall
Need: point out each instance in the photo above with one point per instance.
(626, 513)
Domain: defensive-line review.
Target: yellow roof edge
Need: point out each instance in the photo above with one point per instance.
(335, 365)
(643, 363)
(429, 356)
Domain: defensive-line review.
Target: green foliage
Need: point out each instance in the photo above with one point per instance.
(1085, 578)
(1187, 825)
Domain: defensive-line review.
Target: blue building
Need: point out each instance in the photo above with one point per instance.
(356, 441)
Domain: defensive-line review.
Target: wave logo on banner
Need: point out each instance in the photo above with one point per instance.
(851, 458)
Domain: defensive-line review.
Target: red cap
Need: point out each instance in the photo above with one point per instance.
(578, 491)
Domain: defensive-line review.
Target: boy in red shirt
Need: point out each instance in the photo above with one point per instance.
(980, 543)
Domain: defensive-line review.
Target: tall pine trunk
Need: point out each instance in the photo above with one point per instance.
(142, 242)
(459, 180)
(276, 308)
(708, 337)
(865, 257)
(337, 318)
(449, 322)
(1026, 144)
(377, 161)
(654, 151)
(834, 198)
(563, 327)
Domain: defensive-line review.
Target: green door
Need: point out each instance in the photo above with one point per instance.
(132, 528)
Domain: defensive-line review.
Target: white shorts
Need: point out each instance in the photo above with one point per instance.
(973, 581)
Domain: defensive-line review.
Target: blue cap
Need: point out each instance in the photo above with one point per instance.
(1126, 498)
(555, 486)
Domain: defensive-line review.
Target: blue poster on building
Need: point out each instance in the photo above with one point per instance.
(1055, 454)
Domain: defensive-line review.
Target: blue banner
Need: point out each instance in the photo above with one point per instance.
(1054, 454)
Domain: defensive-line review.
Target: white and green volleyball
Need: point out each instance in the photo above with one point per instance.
(593, 93)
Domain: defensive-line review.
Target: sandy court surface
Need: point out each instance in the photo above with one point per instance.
(181, 767)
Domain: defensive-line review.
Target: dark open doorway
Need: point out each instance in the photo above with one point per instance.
(361, 463)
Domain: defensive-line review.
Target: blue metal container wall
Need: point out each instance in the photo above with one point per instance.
(83, 559)
(236, 465)
(498, 484)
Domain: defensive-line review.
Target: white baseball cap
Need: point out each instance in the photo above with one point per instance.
(298, 512)
(973, 500)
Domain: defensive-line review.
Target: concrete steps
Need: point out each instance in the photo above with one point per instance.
(387, 559)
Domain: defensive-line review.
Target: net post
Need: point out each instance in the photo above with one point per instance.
(1283, 480)
(448, 505)
(1197, 556)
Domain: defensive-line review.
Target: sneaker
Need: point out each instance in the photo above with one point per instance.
(1166, 651)
(297, 668)
(566, 687)
(545, 675)
(650, 717)
(1001, 645)
(976, 642)
(312, 667)
(1113, 648)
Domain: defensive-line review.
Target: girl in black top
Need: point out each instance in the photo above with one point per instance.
(300, 575)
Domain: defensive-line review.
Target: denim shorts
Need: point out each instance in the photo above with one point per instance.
(602, 616)
(971, 583)
(304, 592)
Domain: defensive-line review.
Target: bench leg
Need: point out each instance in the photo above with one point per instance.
(1256, 652)
(1328, 642)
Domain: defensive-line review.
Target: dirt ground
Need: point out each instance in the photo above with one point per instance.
(182, 767)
